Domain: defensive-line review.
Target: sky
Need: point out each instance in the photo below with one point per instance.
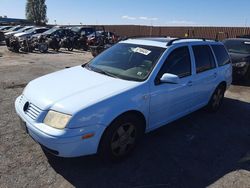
(140, 12)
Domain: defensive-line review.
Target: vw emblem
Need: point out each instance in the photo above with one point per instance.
(26, 106)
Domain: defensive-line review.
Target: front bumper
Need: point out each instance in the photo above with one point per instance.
(239, 72)
(63, 143)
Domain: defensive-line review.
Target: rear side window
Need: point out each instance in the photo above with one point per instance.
(178, 63)
(221, 55)
(204, 58)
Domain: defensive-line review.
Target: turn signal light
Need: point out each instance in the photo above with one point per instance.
(89, 135)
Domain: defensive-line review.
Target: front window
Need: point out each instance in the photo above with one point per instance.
(127, 61)
(178, 63)
(238, 46)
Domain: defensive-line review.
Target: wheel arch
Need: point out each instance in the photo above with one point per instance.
(223, 84)
(139, 114)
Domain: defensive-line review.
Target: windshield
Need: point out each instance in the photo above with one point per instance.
(127, 61)
(238, 46)
(16, 28)
(24, 29)
(75, 29)
(50, 31)
(31, 30)
(6, 28)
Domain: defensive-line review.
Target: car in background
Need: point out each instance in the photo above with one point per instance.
(24, 29)
(5, 28)
(59, 32)
(239, 50)
(9, 35)
(134, 87)
(15, 28)
(83, 30)
(20, 39)
(29, 33)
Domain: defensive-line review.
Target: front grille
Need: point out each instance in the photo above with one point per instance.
(33, 111)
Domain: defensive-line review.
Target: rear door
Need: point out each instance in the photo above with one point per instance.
(206, 74)
(224, 63)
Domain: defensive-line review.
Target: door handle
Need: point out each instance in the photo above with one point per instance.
(215, 74)
(189, 83)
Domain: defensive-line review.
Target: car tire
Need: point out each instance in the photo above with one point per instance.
(216, 99)
(121, 137)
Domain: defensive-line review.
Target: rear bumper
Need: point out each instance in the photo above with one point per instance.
(63, 143)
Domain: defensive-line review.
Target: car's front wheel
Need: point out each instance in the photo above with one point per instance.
(121, 137)
(216, 99)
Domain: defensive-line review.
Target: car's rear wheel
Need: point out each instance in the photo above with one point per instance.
(121, 137)
(217, 98)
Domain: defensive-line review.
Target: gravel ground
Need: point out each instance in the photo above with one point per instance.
(198, 150)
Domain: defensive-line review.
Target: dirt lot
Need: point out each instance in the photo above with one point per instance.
(199, 150)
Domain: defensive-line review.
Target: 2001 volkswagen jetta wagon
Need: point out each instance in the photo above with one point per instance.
(136, 86)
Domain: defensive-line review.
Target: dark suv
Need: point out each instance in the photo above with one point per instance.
(239, 50)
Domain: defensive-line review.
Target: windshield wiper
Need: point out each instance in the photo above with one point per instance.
(100, 71)
(104, 72)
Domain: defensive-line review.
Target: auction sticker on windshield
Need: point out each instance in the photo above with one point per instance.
(141, 51)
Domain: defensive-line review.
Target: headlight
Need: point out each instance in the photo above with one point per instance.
(240, 64)
(56, 119)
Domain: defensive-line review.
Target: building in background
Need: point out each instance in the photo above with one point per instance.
(14, 21)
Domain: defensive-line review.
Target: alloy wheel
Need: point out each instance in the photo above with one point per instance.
(217, 98)
(123, 139)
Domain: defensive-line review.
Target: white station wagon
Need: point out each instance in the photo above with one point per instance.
(134, 87)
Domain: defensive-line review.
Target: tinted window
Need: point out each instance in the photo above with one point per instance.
(41, 30)
(221, 55)
(203, 58)
(238, 46)
(178, 63)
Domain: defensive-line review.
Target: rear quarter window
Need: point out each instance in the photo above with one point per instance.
(221, 55)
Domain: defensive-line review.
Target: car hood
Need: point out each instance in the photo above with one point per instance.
(20, 34)
(237, 57)
(10, 33)
(73, 89)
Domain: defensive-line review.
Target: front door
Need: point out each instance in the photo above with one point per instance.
(170, 101)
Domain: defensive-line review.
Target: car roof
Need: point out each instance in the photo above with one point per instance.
(238, 39)
(164, 42)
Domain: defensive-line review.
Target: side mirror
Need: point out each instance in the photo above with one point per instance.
(170, 78)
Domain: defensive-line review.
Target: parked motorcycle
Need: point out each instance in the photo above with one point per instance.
(54, 42)
(13, 44)
(102, 42)
(26, 45)
(80, 43)
(68, 43)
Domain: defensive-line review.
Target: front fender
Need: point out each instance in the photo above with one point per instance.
(104, 112)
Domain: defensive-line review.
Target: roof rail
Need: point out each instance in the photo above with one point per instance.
(145, 36)
(176, 39)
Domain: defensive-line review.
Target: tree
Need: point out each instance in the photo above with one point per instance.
(36, 11)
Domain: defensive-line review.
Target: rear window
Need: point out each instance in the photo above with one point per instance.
(221, 55)
(204, 58)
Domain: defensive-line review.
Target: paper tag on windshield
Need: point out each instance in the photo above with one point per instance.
(141, 51)
(247, 43)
